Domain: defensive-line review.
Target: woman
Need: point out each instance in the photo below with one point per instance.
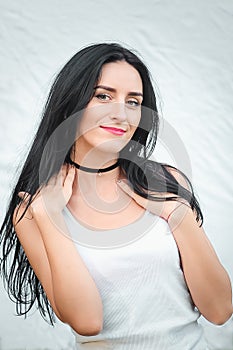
(148, 271)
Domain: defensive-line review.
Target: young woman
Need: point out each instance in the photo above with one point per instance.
(96, 232)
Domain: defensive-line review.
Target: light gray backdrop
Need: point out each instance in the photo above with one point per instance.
(188, 46)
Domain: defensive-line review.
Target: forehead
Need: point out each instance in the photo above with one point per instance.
(120, 75)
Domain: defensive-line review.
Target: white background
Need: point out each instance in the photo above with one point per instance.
(188, 47)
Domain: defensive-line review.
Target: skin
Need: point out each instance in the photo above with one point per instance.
(54, 258)
(118, 108)
(207, 280)
(97, 202)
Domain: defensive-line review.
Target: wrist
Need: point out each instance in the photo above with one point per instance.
(177, 215)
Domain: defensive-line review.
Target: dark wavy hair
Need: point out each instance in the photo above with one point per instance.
(70, 93)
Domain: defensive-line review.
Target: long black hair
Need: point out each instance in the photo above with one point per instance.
(70, 93)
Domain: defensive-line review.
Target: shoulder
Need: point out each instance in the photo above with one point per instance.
(21, 213)
(23, 221)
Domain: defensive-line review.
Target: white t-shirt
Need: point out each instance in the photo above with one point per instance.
(146, 303)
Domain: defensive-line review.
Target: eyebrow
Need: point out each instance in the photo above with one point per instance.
(108, 88)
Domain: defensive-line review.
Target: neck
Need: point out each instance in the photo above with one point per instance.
(95, 184)
(98, 171)
(89, 187)
(93, 158)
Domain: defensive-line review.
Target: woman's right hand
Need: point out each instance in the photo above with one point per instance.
(54, 196)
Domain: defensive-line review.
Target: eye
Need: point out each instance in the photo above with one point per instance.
(133, 103)
(103, 97)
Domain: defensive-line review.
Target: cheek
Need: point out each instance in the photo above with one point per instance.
(87, 122)
(134, 118)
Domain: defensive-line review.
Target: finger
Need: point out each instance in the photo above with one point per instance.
(70, 176)
(37, 193)
(52, 181)
(57, 178)
(143, 202)
(24, 195)
(64, 172)
(125, 187)
(155, 207)
(123, 184)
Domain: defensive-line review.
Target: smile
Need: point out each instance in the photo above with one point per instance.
(115, 131)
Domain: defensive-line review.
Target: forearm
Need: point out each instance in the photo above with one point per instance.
(75, 293)
(206, 278)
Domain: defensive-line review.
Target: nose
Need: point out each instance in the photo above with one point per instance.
(118, 112)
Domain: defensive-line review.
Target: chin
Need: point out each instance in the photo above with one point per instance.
(114, 146)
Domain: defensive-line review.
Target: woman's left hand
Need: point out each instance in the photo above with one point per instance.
(173, 210)
(207, 281)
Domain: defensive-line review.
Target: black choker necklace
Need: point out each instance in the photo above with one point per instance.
(91, 170)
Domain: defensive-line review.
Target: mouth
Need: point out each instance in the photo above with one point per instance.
(115, 131)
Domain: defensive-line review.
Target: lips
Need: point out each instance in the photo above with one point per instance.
(112, 130)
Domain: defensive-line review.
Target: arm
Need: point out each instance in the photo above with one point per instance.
(55, 260)
(206, 278)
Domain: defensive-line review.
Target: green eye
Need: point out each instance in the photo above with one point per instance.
(103, 97)
(133, 103)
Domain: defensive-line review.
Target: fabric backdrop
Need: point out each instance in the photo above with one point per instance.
(188, 48)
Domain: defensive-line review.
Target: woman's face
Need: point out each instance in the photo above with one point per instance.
(113, 114)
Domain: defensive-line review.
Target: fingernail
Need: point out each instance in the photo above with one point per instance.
(122, 182)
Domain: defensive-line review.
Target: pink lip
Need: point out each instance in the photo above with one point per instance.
(115, 131)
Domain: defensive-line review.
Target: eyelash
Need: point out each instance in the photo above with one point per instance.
(99, 96)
